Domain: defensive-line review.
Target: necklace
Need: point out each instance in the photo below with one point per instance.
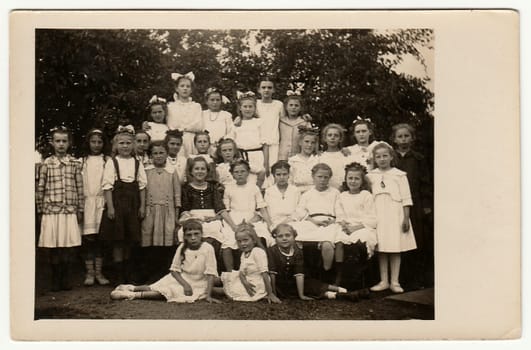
(210, 116)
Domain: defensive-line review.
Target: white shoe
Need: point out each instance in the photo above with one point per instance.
(122, 294)
(380, 287)
(395, 288)
(126, 287)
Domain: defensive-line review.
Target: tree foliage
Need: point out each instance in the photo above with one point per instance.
(87, 78)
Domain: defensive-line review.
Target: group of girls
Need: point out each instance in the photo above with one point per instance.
(169, 184)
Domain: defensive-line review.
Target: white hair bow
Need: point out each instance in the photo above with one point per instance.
(295, 89)
(189, 75)
(241, 95)
(224, 99)
(360, 119)
(155, 99)
(127, 128)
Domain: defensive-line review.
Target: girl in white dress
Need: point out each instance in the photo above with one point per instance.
(303, 162)
(269, 111)
(361, 151)
(249, 136)
(281, 198)
(191, 277)
(356, 214)
(392, 200)
(251, 282)
(184, 114)
(217, 122)
(332, 137)
(156, 126)
(92, 170)
(243, 200)
(316, 212)
(174, 141)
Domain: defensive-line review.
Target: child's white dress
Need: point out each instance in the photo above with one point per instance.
(185, 115)
(179, 164)
(224, 176)
(320, 205)
(301, 171)
(249, 139)
(357, 209)
(391, 193)
(281, 206)
(194, 269)
(92, 171)
(270, 113)
(218, 124)
(252, 266)
(362, 155)
(242, 202)
(337, 161)
(157, 131)
(289, 136)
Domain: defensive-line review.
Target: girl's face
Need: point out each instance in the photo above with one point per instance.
(199, 171)
(293, 107)
(244, 241)
(307, 144)
(247, 109)
(60, 143)
(142, 143)
(332, 138)
(193, 238)
(403, 138)
(184, 88)
(159, 154)
(124, 146)
(157, 114)
(174, 146)
(321, 179)
(214, 102)
(281, 177)
(202, 143)
(362, 133)
(354, 180)
(285, 238)
(95, 144)
(240, 174)
(266, 89)
(227, 152)
(382, 157)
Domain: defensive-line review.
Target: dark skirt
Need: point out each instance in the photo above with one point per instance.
(126, 224)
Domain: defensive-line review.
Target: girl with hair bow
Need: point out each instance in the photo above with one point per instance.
(184, 114)
(363, 135)
(156, 126)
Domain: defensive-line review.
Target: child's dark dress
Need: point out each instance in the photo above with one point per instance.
(126, 200)
(286, 267)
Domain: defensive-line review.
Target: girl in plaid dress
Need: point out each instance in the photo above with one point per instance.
(60, 202)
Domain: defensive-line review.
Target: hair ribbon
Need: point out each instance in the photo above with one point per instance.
(189, 75)
(126, 129)
(155, 99)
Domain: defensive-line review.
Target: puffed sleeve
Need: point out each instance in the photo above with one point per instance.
(211, 267)
(39, 195)
(405, 194)
(340, 211)
(369, 211)
(218, 200)
(259, 199)
(176, 264)
(176, 189)
(196, 122)
(186, 200)
(229, 126)
(260, 259)
(142, 177)
(109, 175)
(260, 126)
(226, 197)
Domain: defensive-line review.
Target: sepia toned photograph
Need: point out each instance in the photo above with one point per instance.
(249, 171)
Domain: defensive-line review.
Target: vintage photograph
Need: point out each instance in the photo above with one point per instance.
(258, 174)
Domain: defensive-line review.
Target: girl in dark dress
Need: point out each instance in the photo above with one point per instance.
(286, 268)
